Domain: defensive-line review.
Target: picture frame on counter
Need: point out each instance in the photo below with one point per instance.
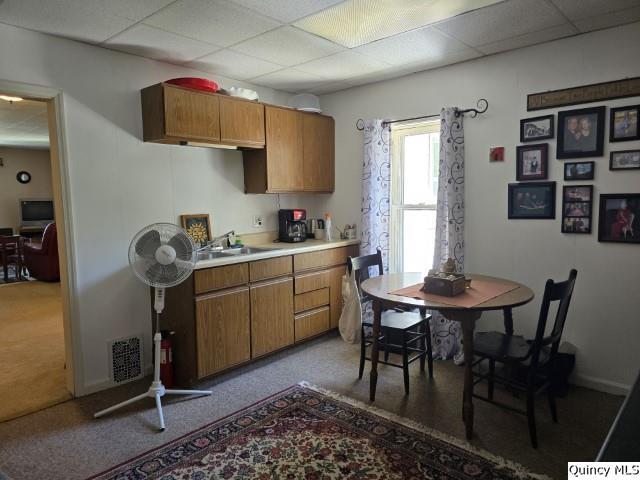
(532, 201)
(197, 226)
(618, 218)
(624, 160)
(581, 133)
(623, 124)
(579, 171)
(577, 208)
(532, 162)
(537, 128)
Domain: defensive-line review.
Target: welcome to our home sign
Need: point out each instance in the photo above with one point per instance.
(629, 87)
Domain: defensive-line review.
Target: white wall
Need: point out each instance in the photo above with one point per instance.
(38, 164)
(120, 184)
(604, 321)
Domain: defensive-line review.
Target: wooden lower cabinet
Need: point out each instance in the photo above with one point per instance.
(271, 316)
(312, 323)
(222, 330)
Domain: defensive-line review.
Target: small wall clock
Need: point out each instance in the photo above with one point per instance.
(23, 177)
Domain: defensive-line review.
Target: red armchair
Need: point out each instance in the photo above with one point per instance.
(42, 261)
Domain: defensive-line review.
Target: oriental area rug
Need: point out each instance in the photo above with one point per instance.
(306, 432)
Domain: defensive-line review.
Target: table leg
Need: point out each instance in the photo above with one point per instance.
(375, 347)
(467, 396)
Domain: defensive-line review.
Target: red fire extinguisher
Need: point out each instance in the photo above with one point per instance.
(166, 359)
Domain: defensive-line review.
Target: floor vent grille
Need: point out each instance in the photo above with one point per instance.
(125, 359)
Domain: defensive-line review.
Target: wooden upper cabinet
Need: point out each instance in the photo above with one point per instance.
(319, 153)
(284, 150)
(241, 122)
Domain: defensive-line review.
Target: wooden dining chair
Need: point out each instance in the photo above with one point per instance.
(537, 355)
(11, 254)
(410, 327)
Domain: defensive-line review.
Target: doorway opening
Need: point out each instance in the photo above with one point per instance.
(36, 361)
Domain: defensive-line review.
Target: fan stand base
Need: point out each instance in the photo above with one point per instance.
(156, 390)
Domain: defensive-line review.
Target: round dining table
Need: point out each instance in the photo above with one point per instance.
(379, 288)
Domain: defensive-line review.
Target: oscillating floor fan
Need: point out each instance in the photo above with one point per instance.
(162, 255)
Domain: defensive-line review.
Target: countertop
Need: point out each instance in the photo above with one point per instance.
(280, 249)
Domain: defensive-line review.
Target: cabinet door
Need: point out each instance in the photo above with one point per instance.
(191, 115)
(284, 150)
(319, 153)
(241, 122)
(335, 293)
(271, 316)
(223, 336)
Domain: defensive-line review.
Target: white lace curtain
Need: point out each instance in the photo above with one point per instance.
(447, 335)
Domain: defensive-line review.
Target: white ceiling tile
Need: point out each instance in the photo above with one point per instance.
(424, 44)
(620, 17)
(24, 124)
(289, 79)
(287, 10)
(527, 39)
(330, 88)
(579, 9)
(159, 44)
(287, 46)
(233, 64)
(86, 20)
(342, 66)
(502, 21)
(212, 21)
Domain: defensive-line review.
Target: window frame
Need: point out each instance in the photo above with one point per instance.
(398, 134)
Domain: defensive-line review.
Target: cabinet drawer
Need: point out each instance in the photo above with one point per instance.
(218, 278)
(313, 299)
(311, 323)
(270, 268)
(311, 281)
(324, 258)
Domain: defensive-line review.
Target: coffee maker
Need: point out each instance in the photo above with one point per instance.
(292, 225)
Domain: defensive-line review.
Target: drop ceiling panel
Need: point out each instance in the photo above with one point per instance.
(286, 10)
(233, 64)
(287, 46)
(527, 39)
(420, 45)
(212, 21)
(620, 17)
(502, 21)
(87, 20)
(159, 44)
(579, 9)
(342, 66)
(330, 88)
(289, 80)
(356, 22)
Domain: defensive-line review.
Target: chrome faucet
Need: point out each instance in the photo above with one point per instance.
(215, 243)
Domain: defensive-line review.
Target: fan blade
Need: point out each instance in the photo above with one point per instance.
(162, 274)
(147, 245)
(183, 252)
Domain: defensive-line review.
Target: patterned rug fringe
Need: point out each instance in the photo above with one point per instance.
(519, 470)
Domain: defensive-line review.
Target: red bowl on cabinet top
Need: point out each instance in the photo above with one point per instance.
(195, 83)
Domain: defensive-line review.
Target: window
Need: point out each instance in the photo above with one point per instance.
(414, 194)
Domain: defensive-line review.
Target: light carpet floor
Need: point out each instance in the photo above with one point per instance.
(65, 442)
(32, 359)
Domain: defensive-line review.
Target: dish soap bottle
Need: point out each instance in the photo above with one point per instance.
(327, 227)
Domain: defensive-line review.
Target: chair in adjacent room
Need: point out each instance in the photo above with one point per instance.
(410, 328)
(42, 261)
(6, 232)
(11, 248)
(536, 357)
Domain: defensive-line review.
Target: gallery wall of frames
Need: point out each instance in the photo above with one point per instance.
(580, 138)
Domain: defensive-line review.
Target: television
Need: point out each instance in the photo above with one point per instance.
(36, 212)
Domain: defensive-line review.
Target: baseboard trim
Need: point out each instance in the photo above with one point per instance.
(600, 384)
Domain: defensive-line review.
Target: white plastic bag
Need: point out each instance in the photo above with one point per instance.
(351, 318)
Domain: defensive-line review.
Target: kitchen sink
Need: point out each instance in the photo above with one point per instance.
(231, 252)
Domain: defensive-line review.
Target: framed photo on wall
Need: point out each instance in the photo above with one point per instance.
(536, 128)
(532, 200)
(581, 133)
(579, 171)
(623, 124)
(618, 220)
(532, 162)
(577, 208)
(197, 226)
(624, 160)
